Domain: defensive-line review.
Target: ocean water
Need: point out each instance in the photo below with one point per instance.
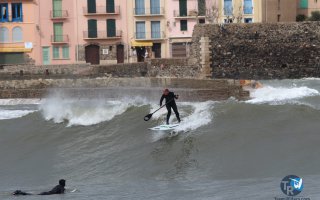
(222, 150)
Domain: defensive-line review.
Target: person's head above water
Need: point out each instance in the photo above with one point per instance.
(62, 182)
(166, 91)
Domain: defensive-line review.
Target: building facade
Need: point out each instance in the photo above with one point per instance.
(118, 31)
(18, 32)
(279, 10)
(101, 31)
(182, 16)
(147, 29)
(306, 7)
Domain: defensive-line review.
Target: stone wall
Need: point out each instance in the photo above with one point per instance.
(261, 51)
(108, 87)
(152, 68)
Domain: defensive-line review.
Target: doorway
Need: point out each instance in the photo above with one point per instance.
(156, 48)
(92, 54)
(141, 51)
(120, 53)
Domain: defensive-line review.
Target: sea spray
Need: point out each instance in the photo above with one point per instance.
(193, 116)
(12, 114)
(280, 95)
(85, 112)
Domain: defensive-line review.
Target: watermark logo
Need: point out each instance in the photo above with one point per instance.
(291, 185)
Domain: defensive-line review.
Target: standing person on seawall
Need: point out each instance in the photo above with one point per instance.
(170, 103)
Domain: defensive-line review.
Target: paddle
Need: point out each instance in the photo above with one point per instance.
(148, 117)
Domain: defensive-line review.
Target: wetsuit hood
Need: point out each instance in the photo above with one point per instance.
(62, 182)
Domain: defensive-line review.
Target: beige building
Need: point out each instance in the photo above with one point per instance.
(306, 7)
(147, 29)
(278, 10)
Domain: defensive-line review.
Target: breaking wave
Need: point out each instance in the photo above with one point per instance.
(13, 114)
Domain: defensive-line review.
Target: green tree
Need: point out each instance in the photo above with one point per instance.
(315, 16)
(301, 18)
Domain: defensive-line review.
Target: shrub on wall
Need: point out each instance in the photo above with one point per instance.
(301, 18)
(315, 16)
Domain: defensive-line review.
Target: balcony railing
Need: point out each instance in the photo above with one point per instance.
(189, 13)
(11, 18)
(59, 14)
(102, 10)
(102, 34)
(155, 11)
(59, 38)
(156, 35)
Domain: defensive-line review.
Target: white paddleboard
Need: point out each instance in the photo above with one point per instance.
(164, 127)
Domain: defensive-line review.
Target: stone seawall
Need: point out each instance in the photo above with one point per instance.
(190, 89)
(260, 51)
(178, 68)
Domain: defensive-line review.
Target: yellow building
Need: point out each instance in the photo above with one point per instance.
(248, 11)
(147, 29)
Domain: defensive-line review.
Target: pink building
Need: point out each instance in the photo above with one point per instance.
(182, 16)
(18, 32)
(102, 31)
(56, 25)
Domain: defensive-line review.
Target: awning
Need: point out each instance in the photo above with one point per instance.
(141, 44)
(14, 50)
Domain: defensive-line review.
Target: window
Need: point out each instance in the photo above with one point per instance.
(65, 52)
(155, 30)
(304, 4)
(248, 8)
(111, 28)
(4, 16)
(155, 7)
(202, 21)
(183, 9)
(183, 25)
(140, 9)
(247, 20)
(141, 30)
(55, 51)
(16, 12)
(279, 8)
(17, 34)
(228, 21)
(58, 32)
(92, 28)
(57, 8)
(279, 17)
(4, 34)
(201, 7)
(91, 6)
(110, 6)
(228, 9)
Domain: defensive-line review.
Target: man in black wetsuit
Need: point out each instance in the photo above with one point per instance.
(170, 101)
(59, 189)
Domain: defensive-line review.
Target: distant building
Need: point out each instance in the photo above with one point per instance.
(18, 32)
(118, 31)
(306, 7)
(279, 10)
(182, 16)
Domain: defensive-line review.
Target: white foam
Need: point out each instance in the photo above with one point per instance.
(200, 115)
(85, 112)
(269, 94)
(19, 102)
(12, 114)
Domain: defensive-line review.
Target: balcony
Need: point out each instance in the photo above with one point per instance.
(59, 14)
(160, 35)
(102, 10)
(189, 14)
(156, 11)
(11, 18)
(102, 35)
(59, 39)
